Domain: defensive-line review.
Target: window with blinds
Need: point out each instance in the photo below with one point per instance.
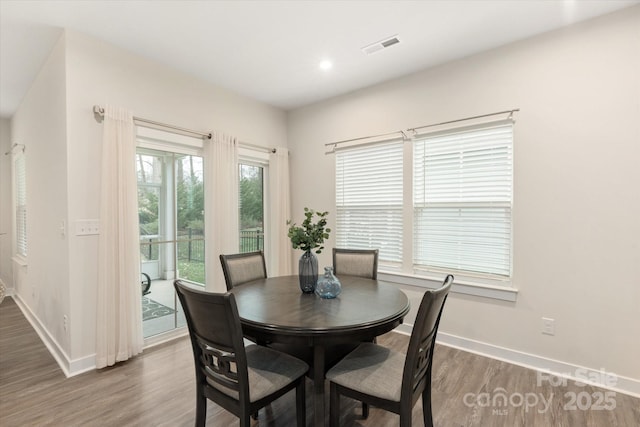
(462, 197)
(369, 199)
(20, 205)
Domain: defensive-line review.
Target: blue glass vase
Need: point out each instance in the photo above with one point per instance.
(328, 285)
(308, 272)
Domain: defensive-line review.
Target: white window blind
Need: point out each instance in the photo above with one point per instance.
(462, 199)
(369, 199)
(21, 205)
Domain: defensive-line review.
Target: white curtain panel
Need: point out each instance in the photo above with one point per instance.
(220, 206)
(119, 311)
(281, 252)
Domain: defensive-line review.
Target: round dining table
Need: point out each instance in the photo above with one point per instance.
(274, 311)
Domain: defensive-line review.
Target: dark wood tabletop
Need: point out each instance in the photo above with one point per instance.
(274, 310)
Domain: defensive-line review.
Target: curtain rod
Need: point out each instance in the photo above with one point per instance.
(334, 145)
(465, 119)
(100, 112)
(257, 147)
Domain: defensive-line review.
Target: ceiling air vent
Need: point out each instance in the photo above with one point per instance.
(382, 44)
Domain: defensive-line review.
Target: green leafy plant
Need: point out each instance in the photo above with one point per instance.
(309, 235)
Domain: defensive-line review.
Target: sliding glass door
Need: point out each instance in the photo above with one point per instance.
(171, 213)
(251, 206)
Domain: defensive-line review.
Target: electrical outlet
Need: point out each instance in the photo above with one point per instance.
(548, 326)
(65, 322)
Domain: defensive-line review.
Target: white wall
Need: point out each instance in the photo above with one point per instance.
(63, 140)
(577, 183)
(101, 74)
(39, 124)
(6, 211)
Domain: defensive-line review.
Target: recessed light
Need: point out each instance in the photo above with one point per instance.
(325, 65)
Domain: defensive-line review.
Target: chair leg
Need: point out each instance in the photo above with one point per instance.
(301, 404)
(245, 420)
(365, 410)
(426, 408)
(334, 405)
(201, 410)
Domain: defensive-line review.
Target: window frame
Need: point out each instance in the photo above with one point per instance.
(464, 157)
(20, 241)
(259, 158)
(165, 145)
(485, 285)
(348, 199)
(161, 192)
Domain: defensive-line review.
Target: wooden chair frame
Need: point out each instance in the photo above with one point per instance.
(416, 377)
(220, 357)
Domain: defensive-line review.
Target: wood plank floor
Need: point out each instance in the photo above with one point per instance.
(157, 389)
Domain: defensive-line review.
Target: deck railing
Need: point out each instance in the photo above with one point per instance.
(191, 244)
(251, 240)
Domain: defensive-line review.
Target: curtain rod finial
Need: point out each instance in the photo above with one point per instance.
(98, 113)
(15, 144)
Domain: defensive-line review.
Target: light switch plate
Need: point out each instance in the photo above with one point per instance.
(87, 227)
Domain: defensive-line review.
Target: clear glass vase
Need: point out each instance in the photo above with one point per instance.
(328, 285)
(308, 272)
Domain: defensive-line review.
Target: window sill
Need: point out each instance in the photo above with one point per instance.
(20, 260)
(462, 286)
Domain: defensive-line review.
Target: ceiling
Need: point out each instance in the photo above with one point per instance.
(271, 50)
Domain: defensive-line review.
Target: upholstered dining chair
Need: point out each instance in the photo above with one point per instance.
(243, 268)
(356, 262)
(240, 379)
(389, 379)
(361, 263)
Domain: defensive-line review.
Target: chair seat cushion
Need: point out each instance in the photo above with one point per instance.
(269, 370)
(371, 369)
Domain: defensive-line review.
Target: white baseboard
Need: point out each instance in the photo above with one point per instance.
(82, 365)
(74, 367)
(576, 373)
(8, 292)
(52, 345)
(68, 367)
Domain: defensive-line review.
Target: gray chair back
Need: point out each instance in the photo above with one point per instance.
(218, 347)
(240, 379)
(362, 374)
(243, 268)
(356, 262)
(416, 377)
